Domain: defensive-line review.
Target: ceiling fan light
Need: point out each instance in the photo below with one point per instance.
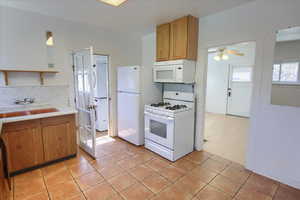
(113, 2)
(49, 38)
(225, 57)
(217, 58)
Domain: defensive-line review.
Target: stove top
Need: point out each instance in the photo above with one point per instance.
(160, 104)
(176, 107)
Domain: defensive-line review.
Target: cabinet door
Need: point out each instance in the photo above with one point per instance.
(59, 137)
(163, 42)
(179, 39)
(24, 144)
(3, 186)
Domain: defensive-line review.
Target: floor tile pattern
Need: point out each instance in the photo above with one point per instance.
(126, 172)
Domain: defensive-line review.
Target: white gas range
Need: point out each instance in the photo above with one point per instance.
(169, 125)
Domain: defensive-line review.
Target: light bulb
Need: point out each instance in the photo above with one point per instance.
(225, 57)
(217, 58)
(50, 41)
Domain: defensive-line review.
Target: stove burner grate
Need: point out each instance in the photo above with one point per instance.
(176, 107)
(160, 104)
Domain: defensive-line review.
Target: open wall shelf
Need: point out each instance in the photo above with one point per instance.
(41, 72)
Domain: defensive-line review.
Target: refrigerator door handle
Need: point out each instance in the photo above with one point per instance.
(96, 117)
(94, 79)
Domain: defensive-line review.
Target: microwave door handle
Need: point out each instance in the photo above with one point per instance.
(159, 116)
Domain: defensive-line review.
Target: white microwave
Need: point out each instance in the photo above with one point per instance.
(175, 71)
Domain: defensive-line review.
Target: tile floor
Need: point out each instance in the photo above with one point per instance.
(101, 133)
(226, 136)
(125, 172)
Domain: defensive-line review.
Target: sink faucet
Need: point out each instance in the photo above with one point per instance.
(25, 101)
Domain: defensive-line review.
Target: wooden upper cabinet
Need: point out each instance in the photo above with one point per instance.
(182, 40)
(163, 42)
(24, 144)
(59, 137)
(179, 38)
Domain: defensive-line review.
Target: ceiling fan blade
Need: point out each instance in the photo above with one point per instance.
(240, 54)
(234, 52)
(229, 51)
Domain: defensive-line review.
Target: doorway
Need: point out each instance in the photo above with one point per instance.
(101, 95)
(228, 100)
(91, 87)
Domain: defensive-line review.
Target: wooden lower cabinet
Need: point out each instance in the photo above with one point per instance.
(35, 142)
(24, 144)
(4, 190)
(58, 137)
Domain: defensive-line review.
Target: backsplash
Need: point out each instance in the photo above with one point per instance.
(54, 95)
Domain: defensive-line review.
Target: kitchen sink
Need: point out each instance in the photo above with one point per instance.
(28, 112)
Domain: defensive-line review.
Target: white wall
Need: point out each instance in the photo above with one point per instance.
(286, 95)
(23, 44)
(273, 143)
(287, 51)
(148, 57)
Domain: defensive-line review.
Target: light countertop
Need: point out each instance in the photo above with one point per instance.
(61, 111)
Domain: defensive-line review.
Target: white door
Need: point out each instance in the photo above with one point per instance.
(84, 77)
(239, 90)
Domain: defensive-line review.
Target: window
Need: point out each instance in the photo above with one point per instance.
(241, 74)
(287, 72)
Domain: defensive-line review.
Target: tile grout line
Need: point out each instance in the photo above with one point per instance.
(74, 179)
(46, 185)
(243, 184)
(219, 173)
(106, 180)
(273, 197)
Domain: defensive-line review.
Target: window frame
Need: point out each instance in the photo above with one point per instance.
(280, 70)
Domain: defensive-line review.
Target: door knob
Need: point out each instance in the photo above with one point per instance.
(229, 91)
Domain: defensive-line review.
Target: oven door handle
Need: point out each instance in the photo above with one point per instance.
(159, 116)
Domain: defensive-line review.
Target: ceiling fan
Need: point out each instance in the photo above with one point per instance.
(223, 53)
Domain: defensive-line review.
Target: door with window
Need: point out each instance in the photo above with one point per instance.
(239, 90)
(84, 78)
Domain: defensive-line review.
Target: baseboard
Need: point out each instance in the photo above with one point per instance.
(285, 180)
(41, 165)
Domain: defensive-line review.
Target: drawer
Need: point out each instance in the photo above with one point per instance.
(162, 151)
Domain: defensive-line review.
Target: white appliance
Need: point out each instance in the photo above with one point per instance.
(135, 89)
(169, 125)
(101, 92)
(175, 71)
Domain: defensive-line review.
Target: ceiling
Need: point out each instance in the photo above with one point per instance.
(242, 46)
(134, 16)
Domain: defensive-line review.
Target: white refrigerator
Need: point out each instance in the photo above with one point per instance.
(135, 89)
